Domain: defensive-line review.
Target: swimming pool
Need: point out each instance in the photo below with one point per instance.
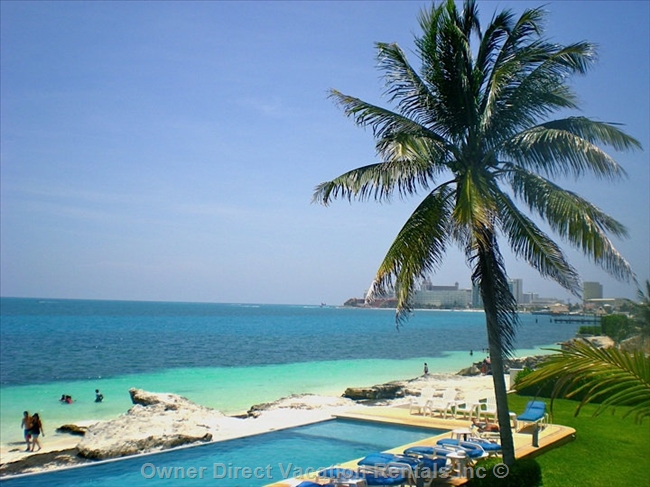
(253, 461)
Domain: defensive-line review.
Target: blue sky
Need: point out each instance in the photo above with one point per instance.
(169, 150)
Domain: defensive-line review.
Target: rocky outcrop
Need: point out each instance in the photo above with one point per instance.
(472, 370)
(597, 341)
(156, 422)
(390, 390)
(303, 402)
(72, 429)
(515, 363)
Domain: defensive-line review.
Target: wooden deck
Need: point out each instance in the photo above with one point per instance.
(552, 436)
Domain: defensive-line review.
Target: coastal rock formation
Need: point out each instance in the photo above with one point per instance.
(597, 341)
(298, 401)
(156, 422)
(470, 371)
(72, 429)
(390, 390)
(515, 363)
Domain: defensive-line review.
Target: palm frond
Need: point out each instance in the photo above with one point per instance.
(406, 89)
(568, 147)
(375, 181)
(574, 219)
(615, 377)
(417, 250)
(444, 48)
(384, 122)
(535, 247)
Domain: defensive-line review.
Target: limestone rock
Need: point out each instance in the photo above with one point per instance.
(156, 422)
(72, 429)
(596, 341)
(298, 401)
(470, 371)
(390, 390)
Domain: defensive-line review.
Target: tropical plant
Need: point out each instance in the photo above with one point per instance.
(469, 131)
(607, 375)
(642, 314)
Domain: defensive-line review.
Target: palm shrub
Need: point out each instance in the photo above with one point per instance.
(470, 130)
(608, 376)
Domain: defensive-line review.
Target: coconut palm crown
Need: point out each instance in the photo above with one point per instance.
(470, 131)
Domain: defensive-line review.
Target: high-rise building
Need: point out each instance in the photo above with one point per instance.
(442, 296)
(592, 290)
(477, 299)
(517, 289)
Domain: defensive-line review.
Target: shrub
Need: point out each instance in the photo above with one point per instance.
(524, 472)
(589, 330)
(618, 327)
(543, 389)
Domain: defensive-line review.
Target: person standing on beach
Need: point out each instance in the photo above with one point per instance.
(35, 430)
(426, 369)
(26, 425)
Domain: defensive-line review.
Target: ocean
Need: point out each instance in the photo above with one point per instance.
(225, 356)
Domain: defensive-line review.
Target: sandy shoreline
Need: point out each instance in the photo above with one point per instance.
(59, 449)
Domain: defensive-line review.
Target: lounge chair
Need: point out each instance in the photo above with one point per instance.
(443, 405)
(427, 452)
(418, 403)
(347, 476)
(491, 448)
(535, 413)
(389, 463)
(468, 410)
(421, 470)
(473, 450)
(488, 407)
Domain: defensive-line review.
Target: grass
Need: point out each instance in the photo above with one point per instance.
(608, 451)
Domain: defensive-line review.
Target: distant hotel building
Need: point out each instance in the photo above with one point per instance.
(517, 289)
(442, 296)
(592, 290)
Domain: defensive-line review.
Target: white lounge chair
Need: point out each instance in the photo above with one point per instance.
(443, 405)
(489, 408)
(418, 403)
(467, 409)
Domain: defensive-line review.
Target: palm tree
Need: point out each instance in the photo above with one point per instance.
(615, 377)
(469, 131)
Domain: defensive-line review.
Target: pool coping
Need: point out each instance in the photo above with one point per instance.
(550, 437)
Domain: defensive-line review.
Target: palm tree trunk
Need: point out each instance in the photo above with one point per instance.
(499, 307)
(501, 396)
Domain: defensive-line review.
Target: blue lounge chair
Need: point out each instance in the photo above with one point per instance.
(427, 451)
(371, 478)
(390, 463)
(471, 443)
(490, 447)
(472, 450)
(535, 413)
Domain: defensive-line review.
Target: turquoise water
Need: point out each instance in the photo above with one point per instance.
(228, 357)
(270, 457)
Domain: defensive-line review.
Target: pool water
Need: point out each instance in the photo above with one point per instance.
(252, 461)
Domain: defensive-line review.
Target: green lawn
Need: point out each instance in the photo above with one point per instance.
(608, 451)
